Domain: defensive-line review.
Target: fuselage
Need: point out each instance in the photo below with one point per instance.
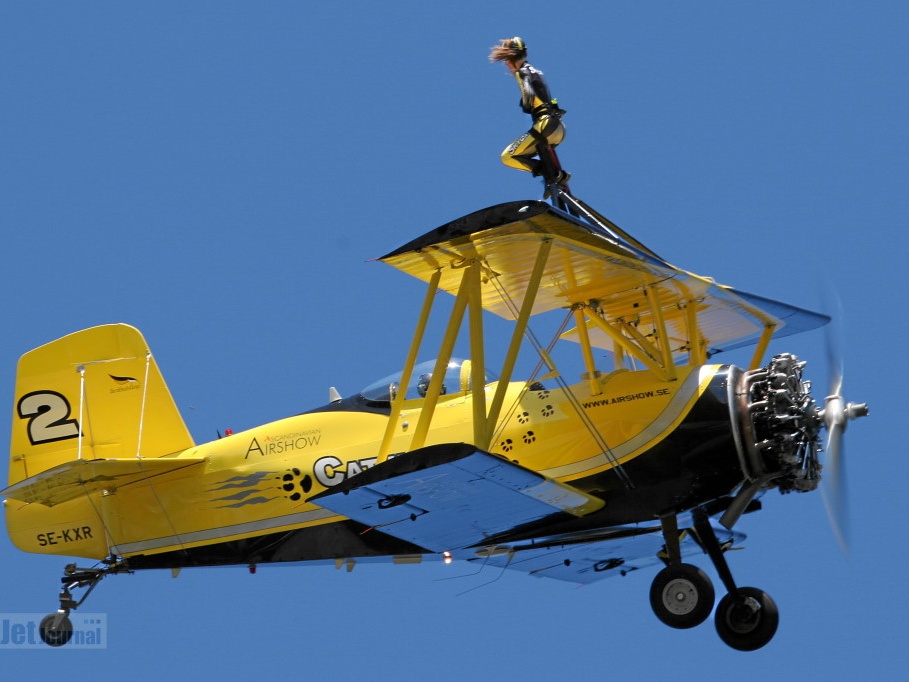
(644, 445)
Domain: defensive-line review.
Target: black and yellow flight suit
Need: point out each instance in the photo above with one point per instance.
(547, 123)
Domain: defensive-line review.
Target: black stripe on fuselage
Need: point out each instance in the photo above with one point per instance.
(340, 540)
(695, 464)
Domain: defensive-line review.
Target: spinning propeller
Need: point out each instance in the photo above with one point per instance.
(836, 415)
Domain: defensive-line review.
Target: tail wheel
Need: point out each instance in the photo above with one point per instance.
(747, 619)
(682, 596)
(55, 629)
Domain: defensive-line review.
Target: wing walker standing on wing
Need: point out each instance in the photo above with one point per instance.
(535, 150)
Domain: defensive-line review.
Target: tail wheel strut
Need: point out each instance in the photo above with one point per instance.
(56, 629)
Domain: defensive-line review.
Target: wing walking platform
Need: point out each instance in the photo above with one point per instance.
(451, 496)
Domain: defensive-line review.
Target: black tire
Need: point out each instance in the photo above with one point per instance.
(55, 636)
(682, 596)
(747, 619)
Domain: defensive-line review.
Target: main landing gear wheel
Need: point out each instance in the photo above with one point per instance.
(747, 619)
(55, 629)
(682, 596)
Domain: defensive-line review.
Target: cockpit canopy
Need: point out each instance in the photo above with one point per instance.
(457, 380)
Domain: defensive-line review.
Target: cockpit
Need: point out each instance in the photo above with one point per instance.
(457, 379)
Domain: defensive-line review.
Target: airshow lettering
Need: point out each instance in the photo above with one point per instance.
(328, 471)
(285, 443)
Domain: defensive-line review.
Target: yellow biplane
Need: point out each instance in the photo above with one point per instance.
(640, 463)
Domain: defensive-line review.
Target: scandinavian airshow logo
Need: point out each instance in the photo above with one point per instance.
(21, 631)
(124, 384)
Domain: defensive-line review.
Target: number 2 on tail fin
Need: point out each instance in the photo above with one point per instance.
(48, 415)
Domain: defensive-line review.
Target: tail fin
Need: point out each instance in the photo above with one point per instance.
(95, 394)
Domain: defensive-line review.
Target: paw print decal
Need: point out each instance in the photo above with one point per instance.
(293, 484)
(507, 445)
(543, 395)
(548, 411)
(529, 437)
(524, 417)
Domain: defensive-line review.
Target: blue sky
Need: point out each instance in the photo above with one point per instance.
(219, 174)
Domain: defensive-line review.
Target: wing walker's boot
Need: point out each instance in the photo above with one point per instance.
(561, 180)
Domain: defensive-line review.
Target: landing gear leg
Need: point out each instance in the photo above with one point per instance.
(746, 618)
(56, 629)
(681, 595)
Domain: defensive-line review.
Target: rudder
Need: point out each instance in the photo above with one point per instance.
(94, 394)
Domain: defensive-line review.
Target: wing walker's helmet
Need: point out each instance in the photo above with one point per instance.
(518, 45)
(509, 50)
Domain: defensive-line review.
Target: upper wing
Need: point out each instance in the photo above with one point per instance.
(446, 497)
(624, 281)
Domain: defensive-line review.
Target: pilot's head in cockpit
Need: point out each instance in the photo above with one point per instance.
(423, 385)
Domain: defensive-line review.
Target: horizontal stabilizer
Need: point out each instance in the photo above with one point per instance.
(81, 477)
(450, 496)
